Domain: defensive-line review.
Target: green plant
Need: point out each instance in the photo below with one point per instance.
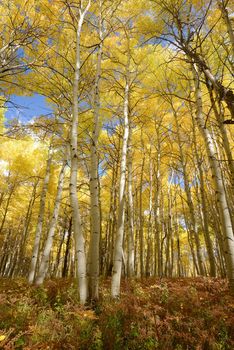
(58, 305)
(150, 344)
(164, 293)
(113, 331)
(24, 306)
(97, 343)
(19, 343)
(40, 295)
(134, 330)
(223, 338)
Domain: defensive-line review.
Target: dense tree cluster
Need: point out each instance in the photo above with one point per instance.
(133, 172)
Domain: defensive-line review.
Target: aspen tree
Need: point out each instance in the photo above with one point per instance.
(223, 133)
(66, 257)
(193, 223)
(80, 254)
(94, 258)
(228, 237)
(190, 238)
(111, 215)
(11, 188)
(179, 267)
(26, 226)
(150, 219)
(43, 267)
(36, 246)
(141, 213)
(168, 227)
(130, 238)
(118, 250)
(185, 24)
(56, 270)
(157, 221)
(204, 214)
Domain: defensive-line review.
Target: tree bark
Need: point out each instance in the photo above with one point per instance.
(36, 246)
(94, 254)
(117, 259)
(226, 222)
(66, 257)
(43, 268)
(193, 224)
(80, 255)
(131, 256)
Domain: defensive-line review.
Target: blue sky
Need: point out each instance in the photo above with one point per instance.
(25, 108)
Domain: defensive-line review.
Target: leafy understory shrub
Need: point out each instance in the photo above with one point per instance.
(151, 314)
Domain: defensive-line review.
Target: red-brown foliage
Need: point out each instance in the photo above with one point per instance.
(162, 314)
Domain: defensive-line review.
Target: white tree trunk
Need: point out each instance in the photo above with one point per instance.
(193, 223)
(36, 245)
(150, 220)
(204, 212)
(49, 241)
(224, 136)
(117, 259)
(157, 216)
(94, 258)
(228, 238)
(131, 257)
(80, 255)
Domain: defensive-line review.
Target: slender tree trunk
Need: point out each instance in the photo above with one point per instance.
(4, 251)
(163, 234)
(35, 253)
(94, 258)
(217, 176)
(56, 271)
(150, 221)
(43, 268)
(137, 240)
(178, 256)
(80, 255)
(117, 259)
(190, 240)
(229, 190)
(204, 214)
(68, 246)
(13, 260)
(141, 217)
(171, 266)
(6, 208)
(193, 224)
(111, 222)
(21, 257)
(168, 234)
(131, 256)
(222, 131)
(157, 258)
(209, 245)
(2, 197)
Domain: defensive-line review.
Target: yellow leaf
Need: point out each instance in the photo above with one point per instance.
(2, 337)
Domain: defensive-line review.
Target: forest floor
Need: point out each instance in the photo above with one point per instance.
(167, 314)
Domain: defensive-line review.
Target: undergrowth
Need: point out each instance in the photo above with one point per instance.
(175, 314)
